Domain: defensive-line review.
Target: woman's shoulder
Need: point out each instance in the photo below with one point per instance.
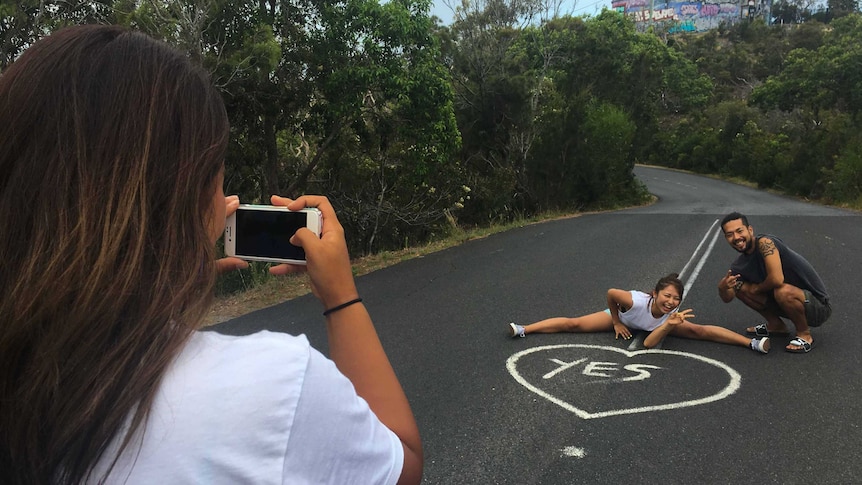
(234, 357)
(244, 369)
(225, 401)
(204, 343)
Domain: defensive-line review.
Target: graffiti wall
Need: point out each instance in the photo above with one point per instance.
(685, 16)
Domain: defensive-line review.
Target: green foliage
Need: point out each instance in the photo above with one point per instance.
(605, 147)
(22, 22)
(242, 280)
(413, 128)
(343, 98)
(582, 158)
(550, 113)
(844, 181)
(684, 89)
(822, 79)
(841, 8)
(803, 138)
(806, 36)
(390, 104)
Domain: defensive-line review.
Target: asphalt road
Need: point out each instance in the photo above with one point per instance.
(585, 408)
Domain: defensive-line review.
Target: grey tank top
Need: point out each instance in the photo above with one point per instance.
(797, 270)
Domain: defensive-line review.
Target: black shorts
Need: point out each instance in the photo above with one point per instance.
(816, 311)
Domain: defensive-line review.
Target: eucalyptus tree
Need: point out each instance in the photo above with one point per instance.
(840, 8)
(344, 97)
(384, 93)
(22, 22)
(820, 79)
(498, 97)
(612, 85)
(821, 89)
(792, 11)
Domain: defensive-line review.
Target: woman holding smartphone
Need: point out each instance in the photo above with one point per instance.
(656, 312)
(111, 170)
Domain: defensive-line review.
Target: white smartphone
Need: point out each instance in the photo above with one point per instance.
(263, 232)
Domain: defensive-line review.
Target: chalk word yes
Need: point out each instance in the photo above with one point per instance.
(724, 382)
(604, 369)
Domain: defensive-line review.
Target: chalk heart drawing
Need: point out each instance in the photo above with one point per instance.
(721, 390)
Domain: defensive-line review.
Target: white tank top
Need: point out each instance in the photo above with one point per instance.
(639, 316)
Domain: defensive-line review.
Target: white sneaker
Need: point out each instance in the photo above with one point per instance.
(516, 330)
(760, 345)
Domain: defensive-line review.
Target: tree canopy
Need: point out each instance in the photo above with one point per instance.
(414, 128)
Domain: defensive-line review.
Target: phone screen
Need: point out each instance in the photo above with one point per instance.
(267, 234)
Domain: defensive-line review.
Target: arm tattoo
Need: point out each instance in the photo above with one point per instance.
(767, 247)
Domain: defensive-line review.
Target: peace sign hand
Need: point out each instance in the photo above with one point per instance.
(680, 317)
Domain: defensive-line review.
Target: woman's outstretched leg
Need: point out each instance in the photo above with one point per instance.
(594, 322)
(718, 334)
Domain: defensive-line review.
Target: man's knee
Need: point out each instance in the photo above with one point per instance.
(787, 295)
(752, 300)
(816, 311)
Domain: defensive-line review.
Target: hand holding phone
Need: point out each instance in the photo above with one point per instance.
(328, 266)
(263, 232)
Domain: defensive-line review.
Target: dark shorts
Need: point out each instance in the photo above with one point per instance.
(816, 311)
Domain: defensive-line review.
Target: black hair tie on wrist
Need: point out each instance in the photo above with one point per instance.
(342, 306)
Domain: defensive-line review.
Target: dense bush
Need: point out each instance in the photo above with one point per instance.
(787, 109)
(413, 128)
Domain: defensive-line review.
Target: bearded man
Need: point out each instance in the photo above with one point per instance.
(775, 281)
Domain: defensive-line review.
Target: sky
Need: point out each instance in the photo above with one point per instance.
(574, 7)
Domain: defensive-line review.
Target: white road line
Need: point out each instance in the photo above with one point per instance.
(574, 451)
(638, 341)
(697, 250)
(694, 274)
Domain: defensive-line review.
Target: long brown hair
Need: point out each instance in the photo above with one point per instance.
(110, 146)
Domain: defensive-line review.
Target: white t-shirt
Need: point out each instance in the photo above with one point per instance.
(264, 408)
(639, 316)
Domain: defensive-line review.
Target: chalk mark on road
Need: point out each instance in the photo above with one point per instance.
(734, 380)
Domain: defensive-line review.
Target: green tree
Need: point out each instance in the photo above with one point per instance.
(792, 11)
(345, 98)
(398, 170)
(22, 22)
(529, 97)
(614, 63)
(844, 181)
(840, 8)
(491, 101)
(830, 77)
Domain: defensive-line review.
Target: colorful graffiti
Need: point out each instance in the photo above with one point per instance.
(687, 16)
